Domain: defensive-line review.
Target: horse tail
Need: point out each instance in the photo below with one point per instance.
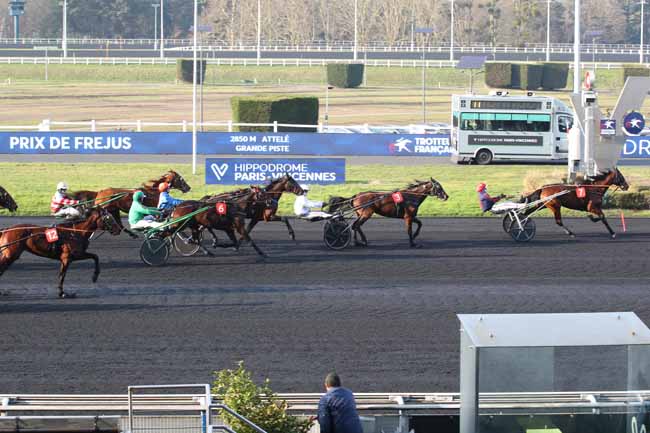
(337, 203)
(534, 196)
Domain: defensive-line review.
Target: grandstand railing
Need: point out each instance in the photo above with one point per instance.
(503, 403)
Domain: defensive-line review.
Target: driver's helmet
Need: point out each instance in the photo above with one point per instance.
(304, 187)
(164, 186)
(481, 187)
(62, 187)
(138, 196)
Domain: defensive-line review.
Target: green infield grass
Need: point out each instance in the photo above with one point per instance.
(32, 184)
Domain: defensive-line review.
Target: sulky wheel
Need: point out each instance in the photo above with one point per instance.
(508, 221)
(185, 245)
(155, 251)
(337, 234)
(526, 234)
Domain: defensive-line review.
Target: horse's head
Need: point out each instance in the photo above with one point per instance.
(619, 180)
(285, 183)
(105, 221)
(6, 201)
(437, 190)
(176, 181)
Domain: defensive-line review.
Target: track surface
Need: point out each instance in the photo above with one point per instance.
(383, 317)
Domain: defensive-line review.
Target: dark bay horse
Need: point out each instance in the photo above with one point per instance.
(232, 220)
(594, 189)
(72, 245)
(7, 201)
(120, 199)
(365, 204)
(266, 209)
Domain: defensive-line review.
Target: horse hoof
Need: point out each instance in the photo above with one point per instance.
(95, 278)
(64, 295)
(613, 235)
(416, 246)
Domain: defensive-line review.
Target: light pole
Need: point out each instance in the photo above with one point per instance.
(424, 31)
(259, 31)
(155, 7)
(194, 79)
(64, 40)
(327, 104)
(162, 29)
(642, 31)
(356, 30)
(451, 38)
(548, 30)
(594, 35)
(576, 49)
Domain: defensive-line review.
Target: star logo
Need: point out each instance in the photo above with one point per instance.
(633, 123)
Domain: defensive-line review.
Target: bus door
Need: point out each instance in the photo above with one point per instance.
(563, 123)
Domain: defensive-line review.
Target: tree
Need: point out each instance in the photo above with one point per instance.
(257, 403)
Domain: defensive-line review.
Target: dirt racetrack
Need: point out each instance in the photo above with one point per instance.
(383, 317)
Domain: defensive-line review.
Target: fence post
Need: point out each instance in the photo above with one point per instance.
(184, 125)
(93, 125)
(230, 126)
(139, 125)
(275, 126)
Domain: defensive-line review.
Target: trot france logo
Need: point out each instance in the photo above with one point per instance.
(400, 146)
(633, 123)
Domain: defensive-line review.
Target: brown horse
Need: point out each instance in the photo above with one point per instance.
(72, 244)
(365, 204)
(234, 219)
(594, 189)
(7, 201)
(120, 199)
(266, 210)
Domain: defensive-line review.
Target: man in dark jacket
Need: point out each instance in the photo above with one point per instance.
(337, 410)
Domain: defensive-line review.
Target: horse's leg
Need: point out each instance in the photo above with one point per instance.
(65, 263)
(196, 233)
(417, 221)
(600, 216)
(356, 226)
(292, 234)
(8, 256)
(555, 208)
(215, 240)
(408, 219)
(251, 225)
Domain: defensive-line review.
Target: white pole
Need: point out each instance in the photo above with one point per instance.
(642, 32)
(259, 31)
(327, 105)
(155, 26)
(64, 41)
(548, 31)
(451, 38)
(194, 68)
(356, 30)
(162, 29)
(576, 49)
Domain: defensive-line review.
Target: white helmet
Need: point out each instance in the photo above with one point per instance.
(304, 187)
(62, 186)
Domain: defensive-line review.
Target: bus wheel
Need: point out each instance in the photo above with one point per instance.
(483, 157)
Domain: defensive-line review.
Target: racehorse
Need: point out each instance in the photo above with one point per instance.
(71, 246)
(232, 217)
(592, 201)
(7, 201)
(266, 209)
(388, 204)
(120, 199)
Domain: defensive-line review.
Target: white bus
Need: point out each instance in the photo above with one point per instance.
(500, 126)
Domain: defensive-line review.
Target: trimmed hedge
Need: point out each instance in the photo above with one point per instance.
(185, 70)
(498, 75)
(555, 76)
(627, 200)
(526, 76)
(634, 71)
(345, 75)
(301, 110)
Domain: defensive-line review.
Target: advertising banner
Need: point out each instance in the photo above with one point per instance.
(237, 171)
(636, 148)
(224, 143)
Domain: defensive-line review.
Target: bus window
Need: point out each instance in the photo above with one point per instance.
(564, 123)
(505, 122)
